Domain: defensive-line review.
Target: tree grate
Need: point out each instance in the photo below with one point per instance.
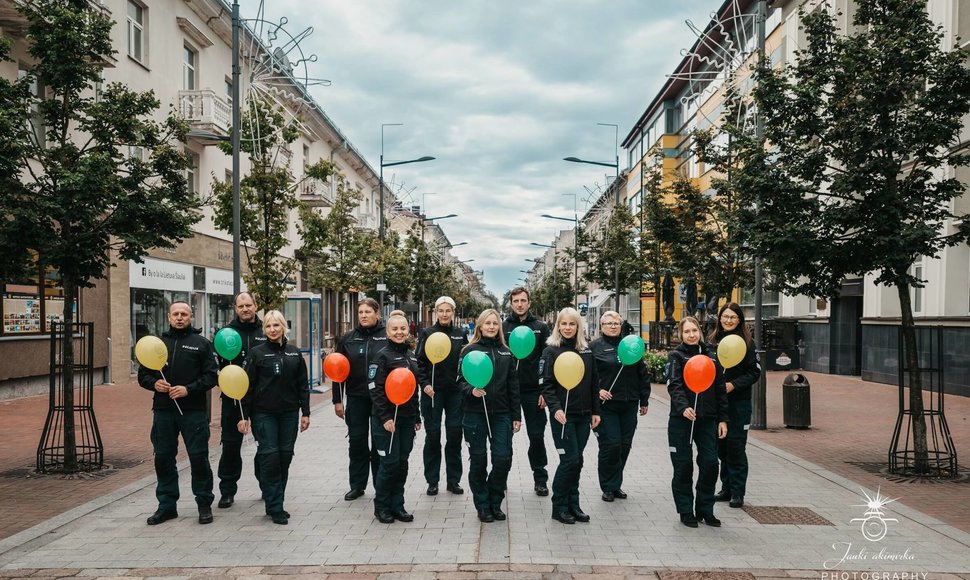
(105, 470)
(882, 469)
(794, 516)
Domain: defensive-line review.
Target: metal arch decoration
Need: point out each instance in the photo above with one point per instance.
(278, 70)
(721, 50)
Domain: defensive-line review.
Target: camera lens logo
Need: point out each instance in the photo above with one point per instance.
(874, 522)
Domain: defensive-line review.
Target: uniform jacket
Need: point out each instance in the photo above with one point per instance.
(584, 397)
(277, 380)
(713, 402)
(502, 392)
(191, 363)
(394, 356)
(361, 347)
(632, 384)
(529, 374)
(445, 372)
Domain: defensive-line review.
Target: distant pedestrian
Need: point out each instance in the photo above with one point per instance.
(392, 472)
(533, 404)
(571, 433)
(492, 415)
(250, 329)
(276, 405)
(623, 391)
(179, 408)
(738, 380)
(442, 400)
(709, 421)
(361, 347)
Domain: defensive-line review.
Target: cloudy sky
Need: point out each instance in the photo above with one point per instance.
(499, 92)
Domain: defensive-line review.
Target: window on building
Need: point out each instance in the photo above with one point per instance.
(30, 304)
(136, 31)
(190, 62)
(35, 123)
(192, 173)
(769, 303)
(228, 87)
(916, 294)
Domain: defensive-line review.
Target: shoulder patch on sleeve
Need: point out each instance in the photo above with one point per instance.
(371, 372)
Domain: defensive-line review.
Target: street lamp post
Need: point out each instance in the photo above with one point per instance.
(575, 220)
(616, 185)
(423, 220)
(236, 219)
(381, 287)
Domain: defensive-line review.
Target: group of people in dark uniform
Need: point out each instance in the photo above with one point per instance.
(605, 400)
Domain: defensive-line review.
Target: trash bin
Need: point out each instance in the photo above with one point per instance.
(796, 401)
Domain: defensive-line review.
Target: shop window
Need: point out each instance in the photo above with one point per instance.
(31, 304)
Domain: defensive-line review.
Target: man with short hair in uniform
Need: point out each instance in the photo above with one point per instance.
(179, 407)
(250, 329)
(533, 405)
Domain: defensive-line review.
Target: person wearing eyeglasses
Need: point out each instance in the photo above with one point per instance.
(623, 390)
(739, 379)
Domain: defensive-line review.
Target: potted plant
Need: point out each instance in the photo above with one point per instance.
(656, 361)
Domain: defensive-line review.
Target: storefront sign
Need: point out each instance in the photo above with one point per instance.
(220, 281)
(161, 275)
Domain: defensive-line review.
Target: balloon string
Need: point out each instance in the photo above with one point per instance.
(396, 407)
(564, 410)
(610, 390)
(243, 415)
(517, 361)
(432, 384)
(344, 398)
(691, 440)
(487, 422)
(173, 400)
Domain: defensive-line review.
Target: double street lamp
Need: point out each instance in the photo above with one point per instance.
(616, 185)
(381, 287)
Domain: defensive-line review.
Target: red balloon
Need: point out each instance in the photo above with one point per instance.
(337, 367)
(400, 385)
(699, 373)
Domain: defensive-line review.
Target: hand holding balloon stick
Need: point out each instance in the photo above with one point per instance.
(337, 368)
(568, 369)
(152, 354)
(699, 373)
(629, 351)
(399, 388)
(234, 383)
(522, 341)
(436, 348)
(477, 368)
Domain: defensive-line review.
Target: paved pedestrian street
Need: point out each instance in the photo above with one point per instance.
(642, 534)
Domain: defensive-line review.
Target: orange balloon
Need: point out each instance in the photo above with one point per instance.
(337, 367)
(699, 373)
(400, 385)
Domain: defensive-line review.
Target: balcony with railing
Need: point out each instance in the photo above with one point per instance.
(208, 114)
(316, 193)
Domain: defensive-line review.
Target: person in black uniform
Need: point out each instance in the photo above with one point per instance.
(709, 420)
(731, 451)
(361, 347)
(500, 400)
(618, 407)
(392, 473)
(582, 413)
(179, 407)
(278, 395)
(250, 329)
(443, 398)
(533, 404)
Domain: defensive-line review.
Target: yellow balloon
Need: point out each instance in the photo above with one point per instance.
(731, 351)
(233, 382)
(151, 352)
(437, 347)
(569, 369)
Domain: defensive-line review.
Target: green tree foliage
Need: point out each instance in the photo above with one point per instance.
(555, 292)
(83, 174)
(861, 131)
(336, 251)
(268, 196)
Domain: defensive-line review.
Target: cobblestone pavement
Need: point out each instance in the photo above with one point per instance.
(95, 526)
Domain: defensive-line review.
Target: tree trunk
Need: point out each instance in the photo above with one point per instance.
(70, 434)
(911, 363)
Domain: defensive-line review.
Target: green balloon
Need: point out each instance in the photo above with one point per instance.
(522, 341)
(228, 343)
(630, 350)
(477, 369)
